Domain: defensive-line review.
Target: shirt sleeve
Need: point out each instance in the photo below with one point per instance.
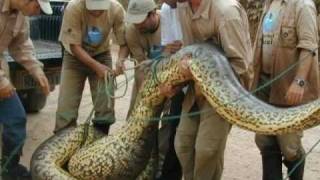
(119, 26)
(21, 50)
(183, 11)
(307, 30)
(235, 41)
(71, 30)
(133, 42)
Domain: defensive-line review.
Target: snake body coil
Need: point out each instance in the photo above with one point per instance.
(124, 155)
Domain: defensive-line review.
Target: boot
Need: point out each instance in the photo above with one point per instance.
(103, 127)
(14, 170)
(272, 166)
(297, 173)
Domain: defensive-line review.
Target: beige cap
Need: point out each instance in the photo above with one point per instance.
(45, 6)
(97, 4)
(138, 10)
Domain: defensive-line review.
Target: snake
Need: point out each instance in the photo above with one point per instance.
(125, 154)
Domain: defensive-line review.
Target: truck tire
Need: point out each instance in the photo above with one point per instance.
(33, 100)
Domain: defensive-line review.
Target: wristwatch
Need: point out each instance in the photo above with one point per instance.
(300, 82)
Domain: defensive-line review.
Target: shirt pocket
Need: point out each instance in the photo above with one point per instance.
(288, 37)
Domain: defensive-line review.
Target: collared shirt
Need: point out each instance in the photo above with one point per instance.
(140, 44)
(225, 23)
(297, 30)
(269, 26)
(14, 37)
(78, 24)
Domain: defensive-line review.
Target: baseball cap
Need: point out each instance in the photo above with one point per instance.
(45, 6)
(97, 4)
(138, 10)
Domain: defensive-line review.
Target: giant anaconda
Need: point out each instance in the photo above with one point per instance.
(125, 154)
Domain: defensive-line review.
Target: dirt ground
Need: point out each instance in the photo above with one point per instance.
(242, 158)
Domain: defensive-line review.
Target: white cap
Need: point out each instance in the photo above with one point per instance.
(45, 6)
(97, 4)
(138, 10)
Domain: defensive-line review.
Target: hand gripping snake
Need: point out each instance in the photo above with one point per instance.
(124, 155)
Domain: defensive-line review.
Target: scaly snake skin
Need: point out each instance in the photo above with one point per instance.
(124, 155)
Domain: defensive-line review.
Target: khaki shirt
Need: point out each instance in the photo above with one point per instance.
(14, 37)
(139, 45)
(77, 21)
(297, 30)
(225, 23)
(254, 10)
(270, 23)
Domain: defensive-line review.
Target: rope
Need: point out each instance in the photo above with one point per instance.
(268, 83)
(104, 86)
(110, 82)
(86, 127)
(87, 121)
(12, 154)
(154, 71)
(301, 160)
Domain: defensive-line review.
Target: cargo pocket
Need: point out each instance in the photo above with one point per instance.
(288, 37)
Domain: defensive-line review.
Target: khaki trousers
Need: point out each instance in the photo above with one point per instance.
(289, 144)
(200, 140)
(73, 77)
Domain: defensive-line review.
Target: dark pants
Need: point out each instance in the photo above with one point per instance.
(13, 119)
(278, 149)
(171, 168)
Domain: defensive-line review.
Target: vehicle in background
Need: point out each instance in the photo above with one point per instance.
(44, 32)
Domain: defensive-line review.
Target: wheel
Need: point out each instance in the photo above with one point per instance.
(33, 100)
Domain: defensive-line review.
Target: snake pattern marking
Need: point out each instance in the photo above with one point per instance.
(124, 155)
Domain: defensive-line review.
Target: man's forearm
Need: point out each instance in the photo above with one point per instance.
(306, 59)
